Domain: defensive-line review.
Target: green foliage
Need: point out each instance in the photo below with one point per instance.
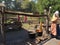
(24, 4)
(32, 6)
(39, 6)
(45, 4)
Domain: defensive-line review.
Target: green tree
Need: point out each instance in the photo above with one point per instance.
(42, 4)
(33, 6)
(24, 4)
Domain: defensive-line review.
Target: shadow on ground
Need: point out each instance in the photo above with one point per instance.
(16, 37)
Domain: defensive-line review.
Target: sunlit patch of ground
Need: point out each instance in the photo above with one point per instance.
(27, 26)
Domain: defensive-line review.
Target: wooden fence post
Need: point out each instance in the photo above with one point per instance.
(2, 25)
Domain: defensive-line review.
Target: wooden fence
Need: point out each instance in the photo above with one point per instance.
(3, 11)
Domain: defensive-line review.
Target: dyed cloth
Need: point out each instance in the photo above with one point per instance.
(53, 29)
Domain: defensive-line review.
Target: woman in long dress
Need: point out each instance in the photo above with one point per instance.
(54, 24)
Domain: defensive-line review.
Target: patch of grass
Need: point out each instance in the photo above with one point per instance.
(26, 26)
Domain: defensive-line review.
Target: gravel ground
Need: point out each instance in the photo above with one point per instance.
(53, 41)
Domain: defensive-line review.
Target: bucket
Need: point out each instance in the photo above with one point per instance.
(39, 33)
(32, 35)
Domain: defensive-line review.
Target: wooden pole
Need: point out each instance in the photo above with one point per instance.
(49, 18)
(2, 26)
(47, 25)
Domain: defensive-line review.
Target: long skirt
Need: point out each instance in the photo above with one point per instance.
(53, 29)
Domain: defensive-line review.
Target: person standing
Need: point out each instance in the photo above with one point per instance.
(54, 24)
